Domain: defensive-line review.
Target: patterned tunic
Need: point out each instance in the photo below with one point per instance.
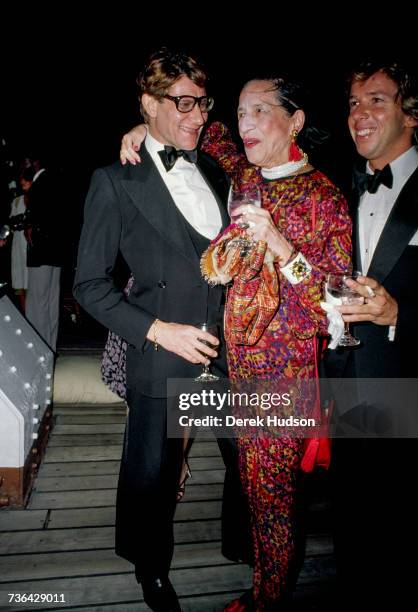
(312, 215)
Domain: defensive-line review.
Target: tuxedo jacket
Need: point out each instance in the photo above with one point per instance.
(130, 210)
(395, 266)
(45, 214)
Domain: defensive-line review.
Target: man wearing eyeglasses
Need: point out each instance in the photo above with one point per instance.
(160, 215)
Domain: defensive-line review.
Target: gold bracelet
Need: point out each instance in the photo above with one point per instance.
(154, 334)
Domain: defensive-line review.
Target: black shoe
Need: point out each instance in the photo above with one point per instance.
(159, 595)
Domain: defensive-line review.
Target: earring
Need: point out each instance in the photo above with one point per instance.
(295, 153)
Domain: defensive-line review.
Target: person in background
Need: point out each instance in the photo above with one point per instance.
(45, 239)
(305, 227)
(19, 245)
(375, 505)
(161, 216)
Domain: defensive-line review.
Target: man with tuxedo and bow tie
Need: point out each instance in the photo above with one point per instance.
(375, 526)
(160, 215)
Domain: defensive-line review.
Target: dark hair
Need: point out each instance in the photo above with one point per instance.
(163, 68)
(402, 75)
(27, 174)
(292, 95)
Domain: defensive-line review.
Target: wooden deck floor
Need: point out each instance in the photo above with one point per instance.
(63, 541)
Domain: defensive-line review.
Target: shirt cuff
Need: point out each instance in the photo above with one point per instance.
(296, 270)
(391, 333)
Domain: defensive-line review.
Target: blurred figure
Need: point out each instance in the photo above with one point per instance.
(44, 256)
(19, 244)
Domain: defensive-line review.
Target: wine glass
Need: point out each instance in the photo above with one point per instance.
(250, 194)
(337, 292)
(206, 375)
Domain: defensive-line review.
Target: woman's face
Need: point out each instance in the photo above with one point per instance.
(264, 126)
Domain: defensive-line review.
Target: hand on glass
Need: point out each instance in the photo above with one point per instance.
(379, 306)
(338, 292)
(131, 143)
(207, 329)
(261, 227)
(186, 341)
(237, 198)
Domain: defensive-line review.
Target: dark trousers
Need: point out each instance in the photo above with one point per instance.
(146, 497)
(148, 480)
(375, 519)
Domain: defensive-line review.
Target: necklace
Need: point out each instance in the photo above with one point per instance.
(284, 169)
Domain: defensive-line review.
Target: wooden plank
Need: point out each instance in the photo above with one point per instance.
(106, 497)
(90, 419)
(73, 499)
(83, 453)
(81, 517)
(82, 483)
(91, 468)
(201, 449)
(317, 569)
(85, 440)
(101, 517)
(106, 516)
(95, 537)
(89, 409)
(104, 428)
(56, 540)
(78, 468)
(16, 520)
(204, 449)
(91, 590)
(203, 603)
(105, 453)
(94, 562)
(76, 483)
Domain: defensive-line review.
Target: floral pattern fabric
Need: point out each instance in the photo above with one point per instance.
(312, 215)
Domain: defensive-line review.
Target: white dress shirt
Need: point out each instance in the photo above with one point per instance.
(375, 208)
(189, 190)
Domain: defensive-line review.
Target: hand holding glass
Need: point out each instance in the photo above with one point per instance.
(206, 375)
(251, 195)
(341, 294)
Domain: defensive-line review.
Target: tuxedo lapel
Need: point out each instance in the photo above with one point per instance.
(150, 195)
(398, 231)
(354, 211)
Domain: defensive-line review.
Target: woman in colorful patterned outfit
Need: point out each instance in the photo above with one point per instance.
(305, 223)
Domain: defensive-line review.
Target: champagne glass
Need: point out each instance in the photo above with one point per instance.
(249, 194)
(206, 375)
(337, 292)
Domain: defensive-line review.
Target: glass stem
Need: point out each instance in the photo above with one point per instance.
(346, 329)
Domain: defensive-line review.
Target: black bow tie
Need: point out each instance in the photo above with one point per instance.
(170, 155)
(370, 182)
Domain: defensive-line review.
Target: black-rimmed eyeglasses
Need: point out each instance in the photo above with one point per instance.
(185, 104)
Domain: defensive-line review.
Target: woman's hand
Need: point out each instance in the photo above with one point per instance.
(131, 143)
(261, 227)
(184, 341)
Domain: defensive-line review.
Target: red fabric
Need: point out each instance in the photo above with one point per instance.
(295, 154)
(235, 605)
(317, 453)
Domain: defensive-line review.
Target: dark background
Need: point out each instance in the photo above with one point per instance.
(68, 78)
